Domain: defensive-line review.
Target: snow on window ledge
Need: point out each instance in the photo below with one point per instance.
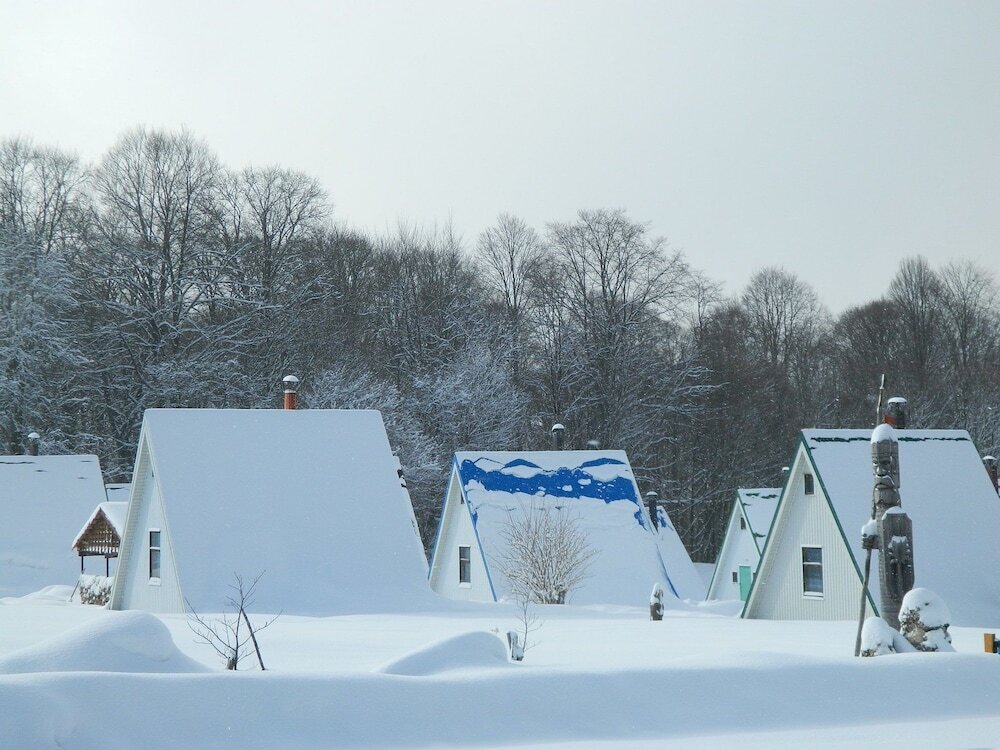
(154, 581)
(465, 585)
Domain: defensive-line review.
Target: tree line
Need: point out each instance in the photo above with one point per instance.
(158, 277)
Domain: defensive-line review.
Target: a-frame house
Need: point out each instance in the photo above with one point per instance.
(595, 488)
(746, 534)
(312, 498)
(811, 566)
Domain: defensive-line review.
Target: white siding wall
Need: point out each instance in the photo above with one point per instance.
(136, 591)
(738, 549)
(457, 531)
(805, 520)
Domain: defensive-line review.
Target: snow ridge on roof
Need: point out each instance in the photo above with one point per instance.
(606, 477)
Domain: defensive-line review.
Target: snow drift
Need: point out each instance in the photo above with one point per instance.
(469, 651)
(118, 642)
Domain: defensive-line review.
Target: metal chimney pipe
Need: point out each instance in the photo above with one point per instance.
(31, 448)
(558, 432)
(291, 387)
(651, 505)
(895, 412)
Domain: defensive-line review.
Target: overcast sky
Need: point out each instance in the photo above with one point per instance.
(830, 139)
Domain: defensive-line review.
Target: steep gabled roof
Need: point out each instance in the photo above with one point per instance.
(42, 499)
(759, 506)
(113, 512)
(947, 494)
(596, 487)
(310, 496)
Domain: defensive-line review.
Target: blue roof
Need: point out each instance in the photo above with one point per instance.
(599, 489)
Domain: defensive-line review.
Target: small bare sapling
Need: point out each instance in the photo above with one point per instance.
(232, 634)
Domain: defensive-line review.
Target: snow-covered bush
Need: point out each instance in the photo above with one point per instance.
(656, 603)
(95, 589)
(924, 619)
(879, 639)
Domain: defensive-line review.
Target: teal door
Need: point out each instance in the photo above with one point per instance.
(746, 577)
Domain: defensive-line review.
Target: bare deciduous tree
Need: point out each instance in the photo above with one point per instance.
(546, 554)
(511, 252)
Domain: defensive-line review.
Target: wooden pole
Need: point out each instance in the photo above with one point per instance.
(864, 602)
(868, 552)
(990, 643)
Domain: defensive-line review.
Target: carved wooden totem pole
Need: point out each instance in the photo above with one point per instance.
(892, 531)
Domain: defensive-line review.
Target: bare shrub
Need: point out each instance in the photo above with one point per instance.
(547, 554)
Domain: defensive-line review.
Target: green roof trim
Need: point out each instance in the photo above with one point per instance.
(899, 438)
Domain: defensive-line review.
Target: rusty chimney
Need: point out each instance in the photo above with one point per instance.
(990, 462)
(290, 384)
(31, 447)
(895, 412)
(651, 505)
(558, 431)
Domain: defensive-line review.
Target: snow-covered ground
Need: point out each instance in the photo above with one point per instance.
(73, 677)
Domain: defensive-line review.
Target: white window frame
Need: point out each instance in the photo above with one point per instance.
(466, 581)
(158, 549)
(812, 594)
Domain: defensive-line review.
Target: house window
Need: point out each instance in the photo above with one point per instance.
(154, 554)
(465, 565)
(810, 485)
(736, 578)
(812, 571)
(743, 522)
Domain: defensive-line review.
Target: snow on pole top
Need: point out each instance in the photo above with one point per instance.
(882, 433)
(897, 400)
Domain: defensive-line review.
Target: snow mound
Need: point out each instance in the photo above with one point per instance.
(924, 619)
(469, 651)
(878, 638)
(57, 593)
(119, 642)
(933, 611)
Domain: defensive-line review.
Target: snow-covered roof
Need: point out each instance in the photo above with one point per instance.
(599, 489)
(948, 496)
(759, 505)
(114, 511)
(43, 499)
(117, 491)
(310, 496)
